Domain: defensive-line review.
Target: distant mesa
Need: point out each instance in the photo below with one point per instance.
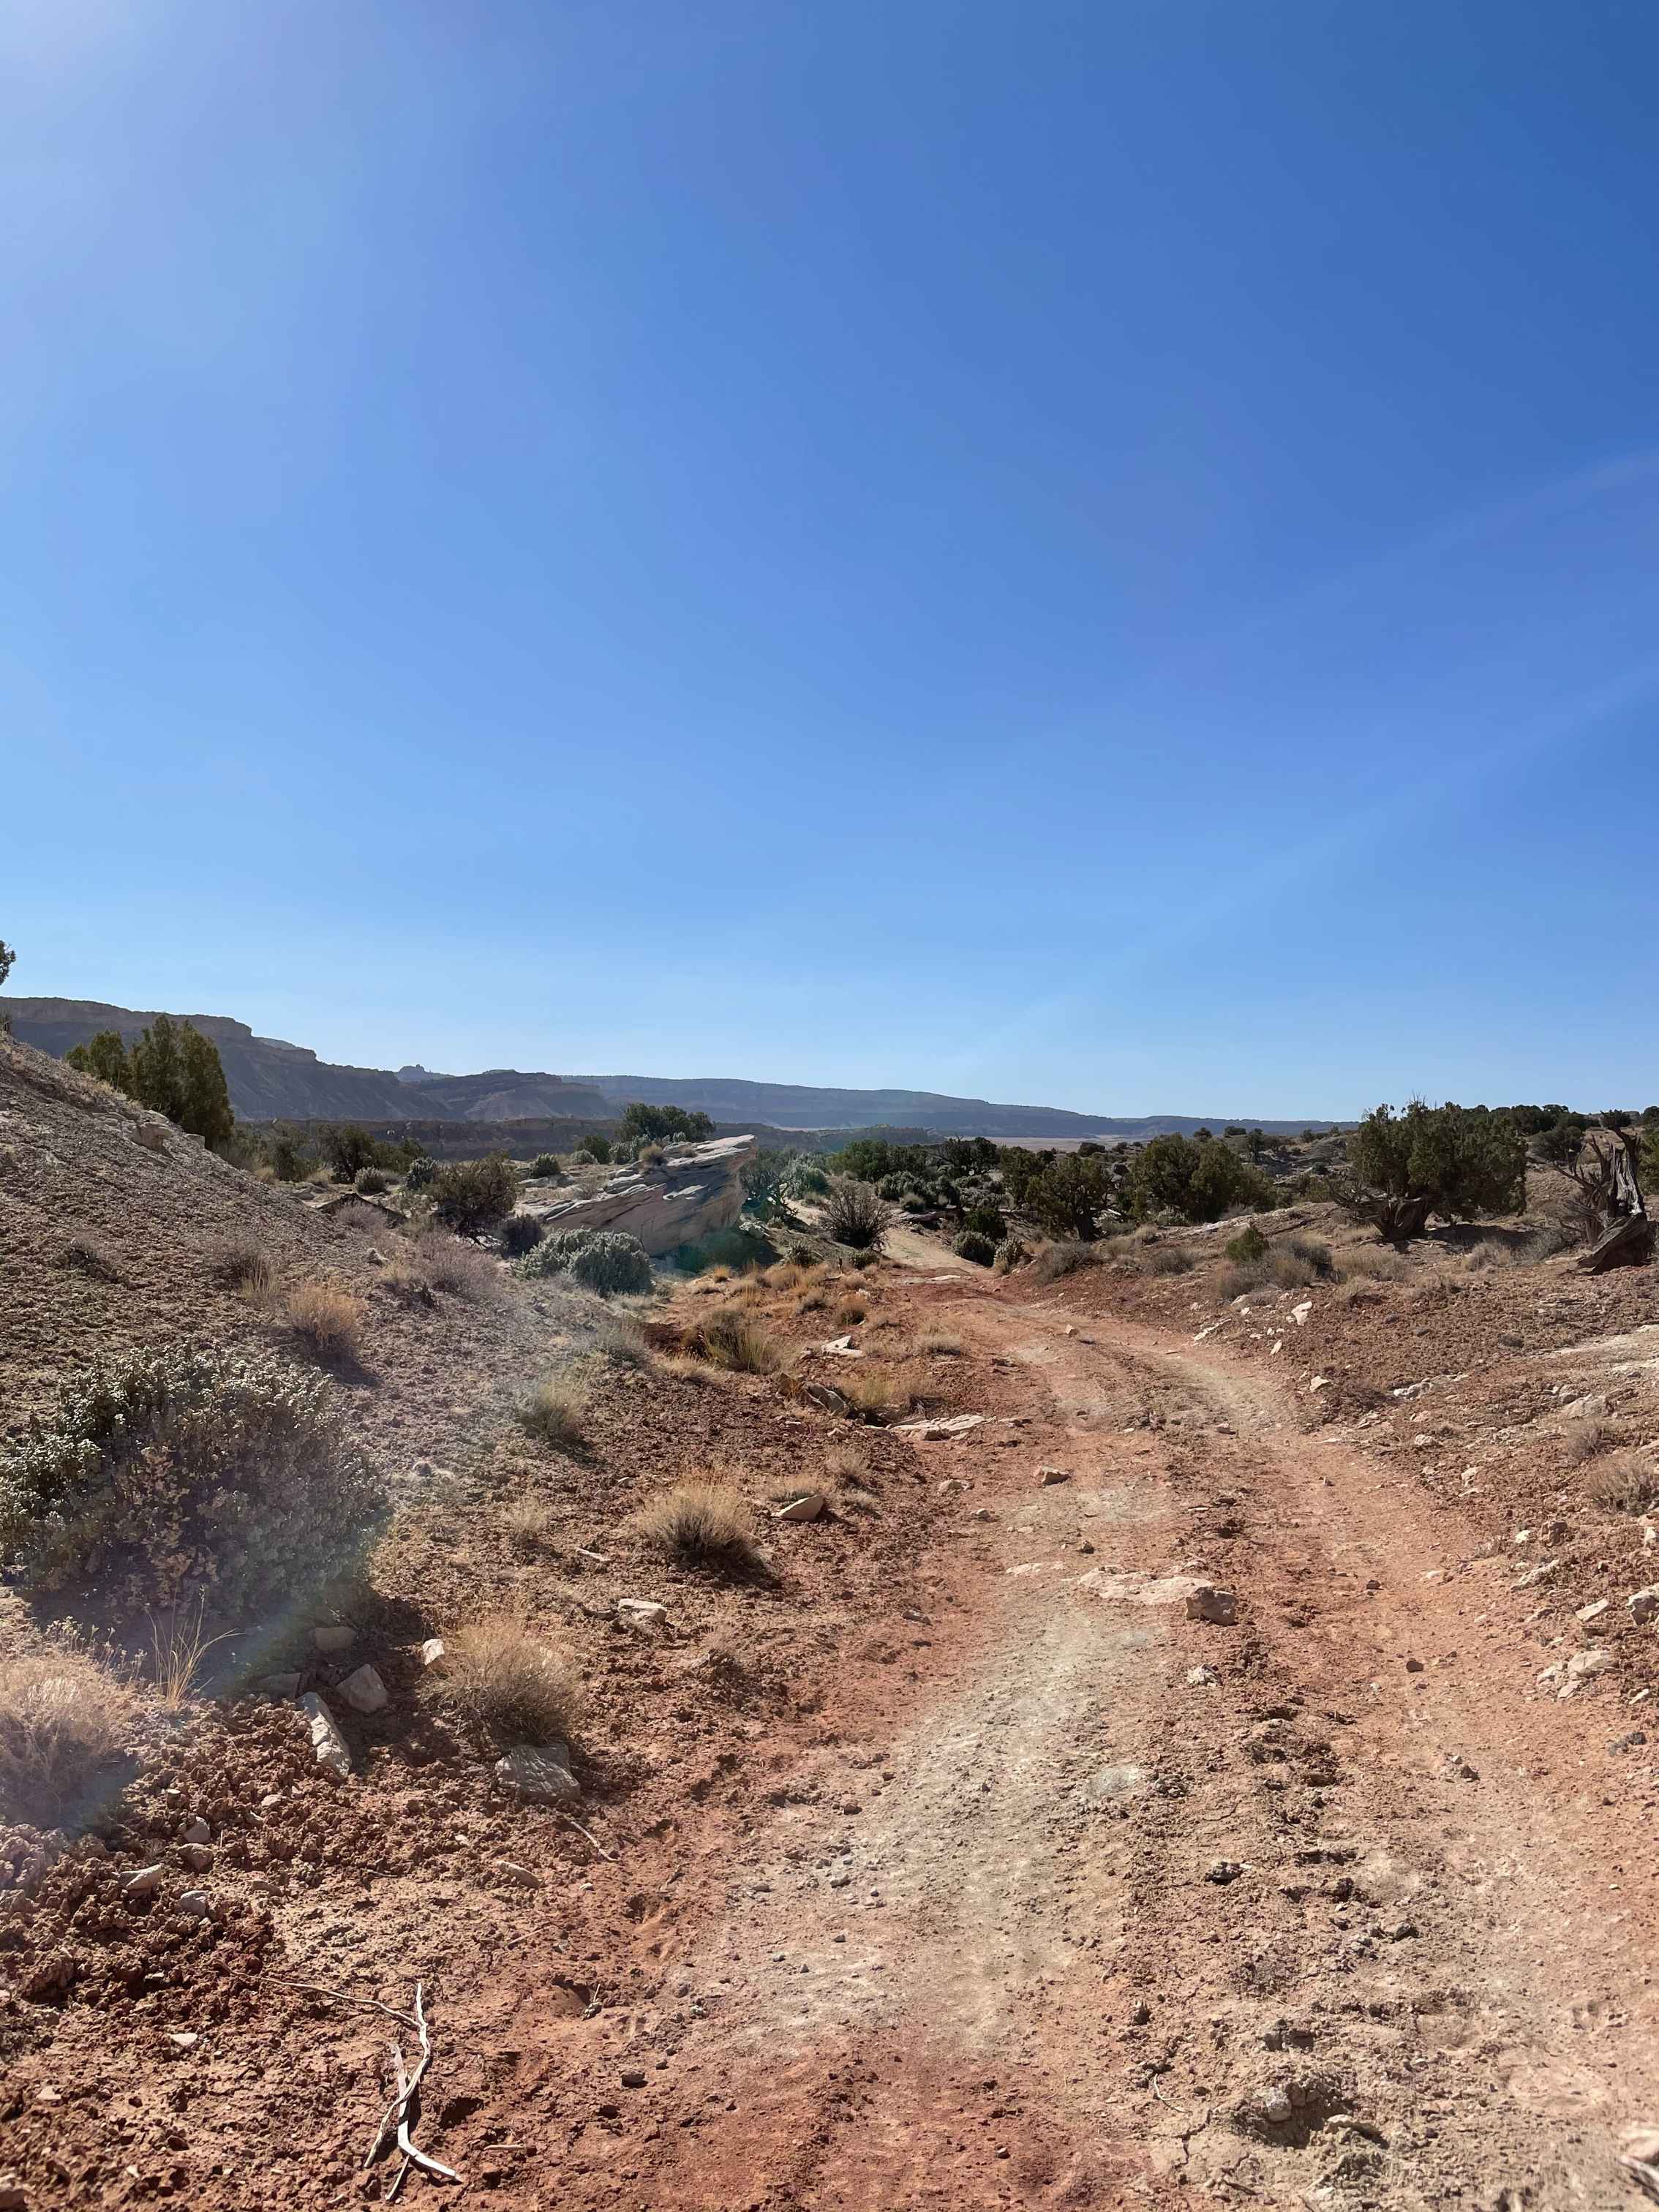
(272, 1080)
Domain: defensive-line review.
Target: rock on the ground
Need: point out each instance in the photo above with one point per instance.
(807, 1508)
(1643, 1604)
(199, 1831)
(1209, 1602)
(642, 1612)
(540, 1772)
(282, 1687)
(939, 1432)
(326, 1741)
(144, 1883)
(432, 1654)
(1202, 1678)
(333, 1636)
(1048, 1475)
(364, 1691)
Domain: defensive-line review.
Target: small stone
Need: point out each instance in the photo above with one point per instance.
(642, 1612)
(270, 1801)
(540, 1772)
(1299, 1313)
(1140, 2014)
(199, 1831)
(1223, 1870)
(592, 1558)
(1048, 1475)
(432, 1654)
(193, 1904)
(183, 2038)
(198, 1858)
(981, 1513)
(1595, 1609)
(333, 1636)
(1209, 1602)
(144, 1883)
(633, 2077)
(364, 1691)
(521, 1876)
(279, 1687)
(1413, 1665)
(14, 2197)
(326, 1741)
(802, 1508)
(1643, 1604)
(1202, 1678)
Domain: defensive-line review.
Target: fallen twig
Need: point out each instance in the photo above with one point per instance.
(1645, 2177)
(395, 2120)
(586, 1836)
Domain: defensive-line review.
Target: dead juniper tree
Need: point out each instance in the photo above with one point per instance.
(1608, 1201)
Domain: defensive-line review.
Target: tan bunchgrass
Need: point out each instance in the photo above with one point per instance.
(528, 1524)
(1588, 1439)
(702, 1523)
(441, 1262)
(849, 1314)
(1624, 1481)
(874, 1393)
(326, 1318)
(624, 1342)
(244, 1267)
(501, 1678)
(844, 1465)
(940, 1347)
(64, 1713)
(732, 1341)
(785, 1276)
(813, 1301)
(553, 1414)
(179, 1644)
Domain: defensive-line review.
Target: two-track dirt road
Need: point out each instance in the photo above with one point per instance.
(1078, 1901)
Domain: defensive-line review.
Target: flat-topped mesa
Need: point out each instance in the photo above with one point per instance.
(697, 1188)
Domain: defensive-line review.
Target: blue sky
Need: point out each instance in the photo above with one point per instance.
(1095, 554)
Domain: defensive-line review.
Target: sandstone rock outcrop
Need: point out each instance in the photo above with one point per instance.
(697, 1188)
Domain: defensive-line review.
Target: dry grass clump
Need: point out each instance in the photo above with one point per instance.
(624, 1342)
(730, 1340)
(812, 1301)
(1380, 1262)
(940, 1347)
(179, 1644)
(1624, 1481)
(64, 1714)
(785, 1276)
(1169, 1259)
(702, 1523)
(874, 1393)
(448, 1263)
(1588, 1439)
(326, 1318)
(528, 1524)
(1064, 1257)
(553, 1414)
(88, 1257)
(502, 1680)
(849, 1314)
(242, 1267)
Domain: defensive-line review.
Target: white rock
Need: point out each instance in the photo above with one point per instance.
(333, 1636)
(1540, 1573)
(193, 1904)
(326, 1741)
(1319, 1383)
(642, 1612)
(934, 1432)
(1644, 1603)
(1202, 1678)
(1299, 1313)
(1047, 1476)
(521, 1875)
(1595, 1609)
(432, 1654)
(144, 1883)
(1209, 1602)
(802, 1508)
(540, 1772)
(364, 1691)
(1592, 1407)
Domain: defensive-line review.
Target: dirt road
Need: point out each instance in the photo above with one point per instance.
(1075, 1900)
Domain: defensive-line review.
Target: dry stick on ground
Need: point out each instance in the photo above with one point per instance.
(396, 2116)
(585, 1835)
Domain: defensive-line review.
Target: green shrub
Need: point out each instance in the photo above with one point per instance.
(227, 1474)
(545, 1166)
(369, 1182)
(607, 1260)
(473, 1195)
(421, 1173)
(663, 1124)
(855, 1215)
(597, 1150)
(970, 1245)
(1458, 1161)
(1064, 1257)
(986, 1219)
(1198, 1178)
(1250, 1244)
(1068, 1194)
(1169, 1259)
(914, 1202)
(520, 1233)
(807, 1179)
(172, 1068)
(1010, 1253)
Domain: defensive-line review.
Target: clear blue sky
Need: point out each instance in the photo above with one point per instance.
(1095, 554)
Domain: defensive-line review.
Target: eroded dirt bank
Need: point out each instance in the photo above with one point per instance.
(1052, 1894)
